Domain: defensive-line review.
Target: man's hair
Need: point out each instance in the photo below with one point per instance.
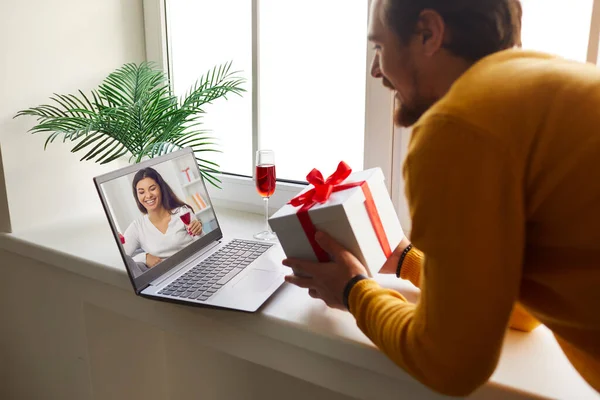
(477, 28)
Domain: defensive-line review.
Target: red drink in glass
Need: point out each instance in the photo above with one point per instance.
(265, 186)
(265, 180)
(186, 218)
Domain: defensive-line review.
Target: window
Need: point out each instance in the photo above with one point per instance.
(349, 116)
(202, 34)
(312, 83)
(558, 27)
(309, 75)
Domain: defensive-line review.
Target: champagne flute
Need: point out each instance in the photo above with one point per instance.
(265, 185)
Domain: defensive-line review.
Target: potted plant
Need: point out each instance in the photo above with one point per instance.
(133, 112)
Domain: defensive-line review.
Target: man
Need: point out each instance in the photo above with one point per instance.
(503, 184)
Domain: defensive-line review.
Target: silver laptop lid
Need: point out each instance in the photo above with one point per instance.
(132, 194)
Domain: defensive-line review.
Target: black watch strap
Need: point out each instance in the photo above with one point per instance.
(351, 283)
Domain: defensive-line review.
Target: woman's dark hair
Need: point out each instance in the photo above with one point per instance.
(169, 200)
(477, 28)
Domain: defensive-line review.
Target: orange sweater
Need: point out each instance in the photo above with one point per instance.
(520, 319)
(503, 183)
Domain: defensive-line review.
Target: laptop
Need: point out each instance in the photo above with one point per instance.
(169, 237)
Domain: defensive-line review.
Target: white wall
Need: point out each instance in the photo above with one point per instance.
(56, 46)
(62, 342)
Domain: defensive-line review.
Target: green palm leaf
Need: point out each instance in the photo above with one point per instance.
(133, 112)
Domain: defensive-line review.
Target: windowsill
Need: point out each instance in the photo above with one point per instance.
(531, 365)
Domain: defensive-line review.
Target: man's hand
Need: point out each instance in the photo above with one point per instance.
(195, 227)
(151, 260)
(326, 281)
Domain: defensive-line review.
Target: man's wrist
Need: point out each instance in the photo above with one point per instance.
(401, 260)
(390, 267)
(348, 288)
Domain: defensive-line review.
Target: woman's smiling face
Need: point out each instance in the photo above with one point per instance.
(148, 194)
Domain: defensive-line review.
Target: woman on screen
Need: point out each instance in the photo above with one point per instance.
(160, 232)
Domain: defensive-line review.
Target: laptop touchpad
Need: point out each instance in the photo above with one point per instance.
(256, 281)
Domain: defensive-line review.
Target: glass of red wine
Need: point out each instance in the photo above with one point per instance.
(265, 185)
(186, 219)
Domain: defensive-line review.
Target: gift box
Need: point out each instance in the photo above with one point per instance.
(354, 208)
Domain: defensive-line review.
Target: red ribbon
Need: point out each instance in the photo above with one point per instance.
(320, 193)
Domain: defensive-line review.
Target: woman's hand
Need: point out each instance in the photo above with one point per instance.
(391, 265)
(151, 260)
(195, 227)
(327, 281)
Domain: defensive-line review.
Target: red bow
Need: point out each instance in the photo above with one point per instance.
(323, 188)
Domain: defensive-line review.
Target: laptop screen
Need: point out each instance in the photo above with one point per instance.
(160, 214)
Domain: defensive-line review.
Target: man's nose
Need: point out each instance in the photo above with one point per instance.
(375, 69)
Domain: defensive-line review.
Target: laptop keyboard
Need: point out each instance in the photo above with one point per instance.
(206, 278)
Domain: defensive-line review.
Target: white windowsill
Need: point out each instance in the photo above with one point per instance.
(531, 365)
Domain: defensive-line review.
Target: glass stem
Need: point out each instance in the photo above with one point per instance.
(267, 228)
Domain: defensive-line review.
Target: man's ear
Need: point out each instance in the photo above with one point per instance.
(432, 28)
(426, 36)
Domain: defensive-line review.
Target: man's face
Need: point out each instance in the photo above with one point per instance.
(397, 64)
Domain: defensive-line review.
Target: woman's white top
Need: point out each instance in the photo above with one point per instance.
(142, 234)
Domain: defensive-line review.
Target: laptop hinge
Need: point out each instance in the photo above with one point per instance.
(184, 264)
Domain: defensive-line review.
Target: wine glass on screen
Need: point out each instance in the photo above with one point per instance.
(186, 219)
(265, 185)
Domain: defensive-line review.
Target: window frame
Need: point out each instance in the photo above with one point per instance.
(594, 36)
(379, 129)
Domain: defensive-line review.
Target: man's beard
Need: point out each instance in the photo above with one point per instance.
(406, 116)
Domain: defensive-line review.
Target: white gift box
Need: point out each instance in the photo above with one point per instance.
(345, 217)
